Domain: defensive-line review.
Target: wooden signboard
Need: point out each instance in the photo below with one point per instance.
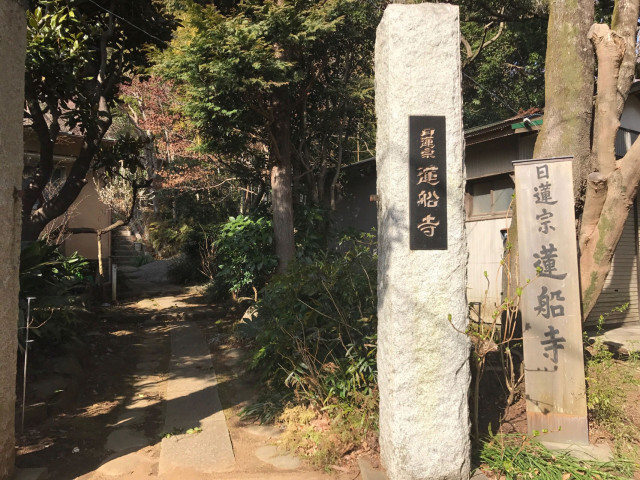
(550, 303)
(427, 183)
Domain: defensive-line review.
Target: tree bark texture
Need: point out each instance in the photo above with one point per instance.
(568, 100)
(281, 182)
(604, 185)
(612, 187)
(12, 58)
(568, 87)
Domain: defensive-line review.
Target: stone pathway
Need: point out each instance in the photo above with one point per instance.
(624, 339)
(173, 426)
(131, 441)
(150, 279)
(194, 413)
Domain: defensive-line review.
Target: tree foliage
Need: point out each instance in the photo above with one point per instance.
(507, 75)
(503, 57)
(79, 52)
(278, 88)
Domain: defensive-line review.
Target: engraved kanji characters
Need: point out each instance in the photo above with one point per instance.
(428, 175)
(427, 147)
(542, 171)
(552, 344)
(545, 221)
(428, 225)
(545, 264)
(549, 303)
(545, 306)
(428, 199)
(543, 194)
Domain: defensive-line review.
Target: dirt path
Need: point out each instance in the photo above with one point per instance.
(115, 426)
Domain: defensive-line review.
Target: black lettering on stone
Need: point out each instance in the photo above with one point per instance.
(427, 183)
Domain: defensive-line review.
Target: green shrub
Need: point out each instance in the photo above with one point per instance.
(58, 283)
(184, 270)
(197, 262)
(315, 331)
(311, 230)
(245, 253)
(168, 237)
(215, 291)
(197, 239)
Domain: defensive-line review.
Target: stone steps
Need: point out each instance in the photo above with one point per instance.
(123, 259)
(123, 251)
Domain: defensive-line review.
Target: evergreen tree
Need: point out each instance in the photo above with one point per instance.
(279, 85)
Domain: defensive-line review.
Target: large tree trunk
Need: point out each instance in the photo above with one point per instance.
(281, 181)
(568, 87)
(281, 170)
(569, 71)
(604, 187)
(612, 188)
(568, 102)
(12, 58)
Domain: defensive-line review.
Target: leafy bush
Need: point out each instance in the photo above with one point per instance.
(184, 270)
(245, 253)
(608, 381)
(234, 257)
(167, 237)
(197, 260)
(43, 269)
(315, 331)
(57, 282)
(311, 227)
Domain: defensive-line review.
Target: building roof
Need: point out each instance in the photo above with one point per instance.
(68, 145)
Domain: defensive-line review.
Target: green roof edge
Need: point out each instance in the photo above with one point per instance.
(515, 126)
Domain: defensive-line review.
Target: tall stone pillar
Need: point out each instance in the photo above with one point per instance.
(423, 360)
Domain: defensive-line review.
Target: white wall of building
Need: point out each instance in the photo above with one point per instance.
(484, 239)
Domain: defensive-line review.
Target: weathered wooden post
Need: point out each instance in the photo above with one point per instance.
(114, 282)
(423, 360)
(550, 305)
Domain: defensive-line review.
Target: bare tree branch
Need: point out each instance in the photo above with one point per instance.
(471, 56)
